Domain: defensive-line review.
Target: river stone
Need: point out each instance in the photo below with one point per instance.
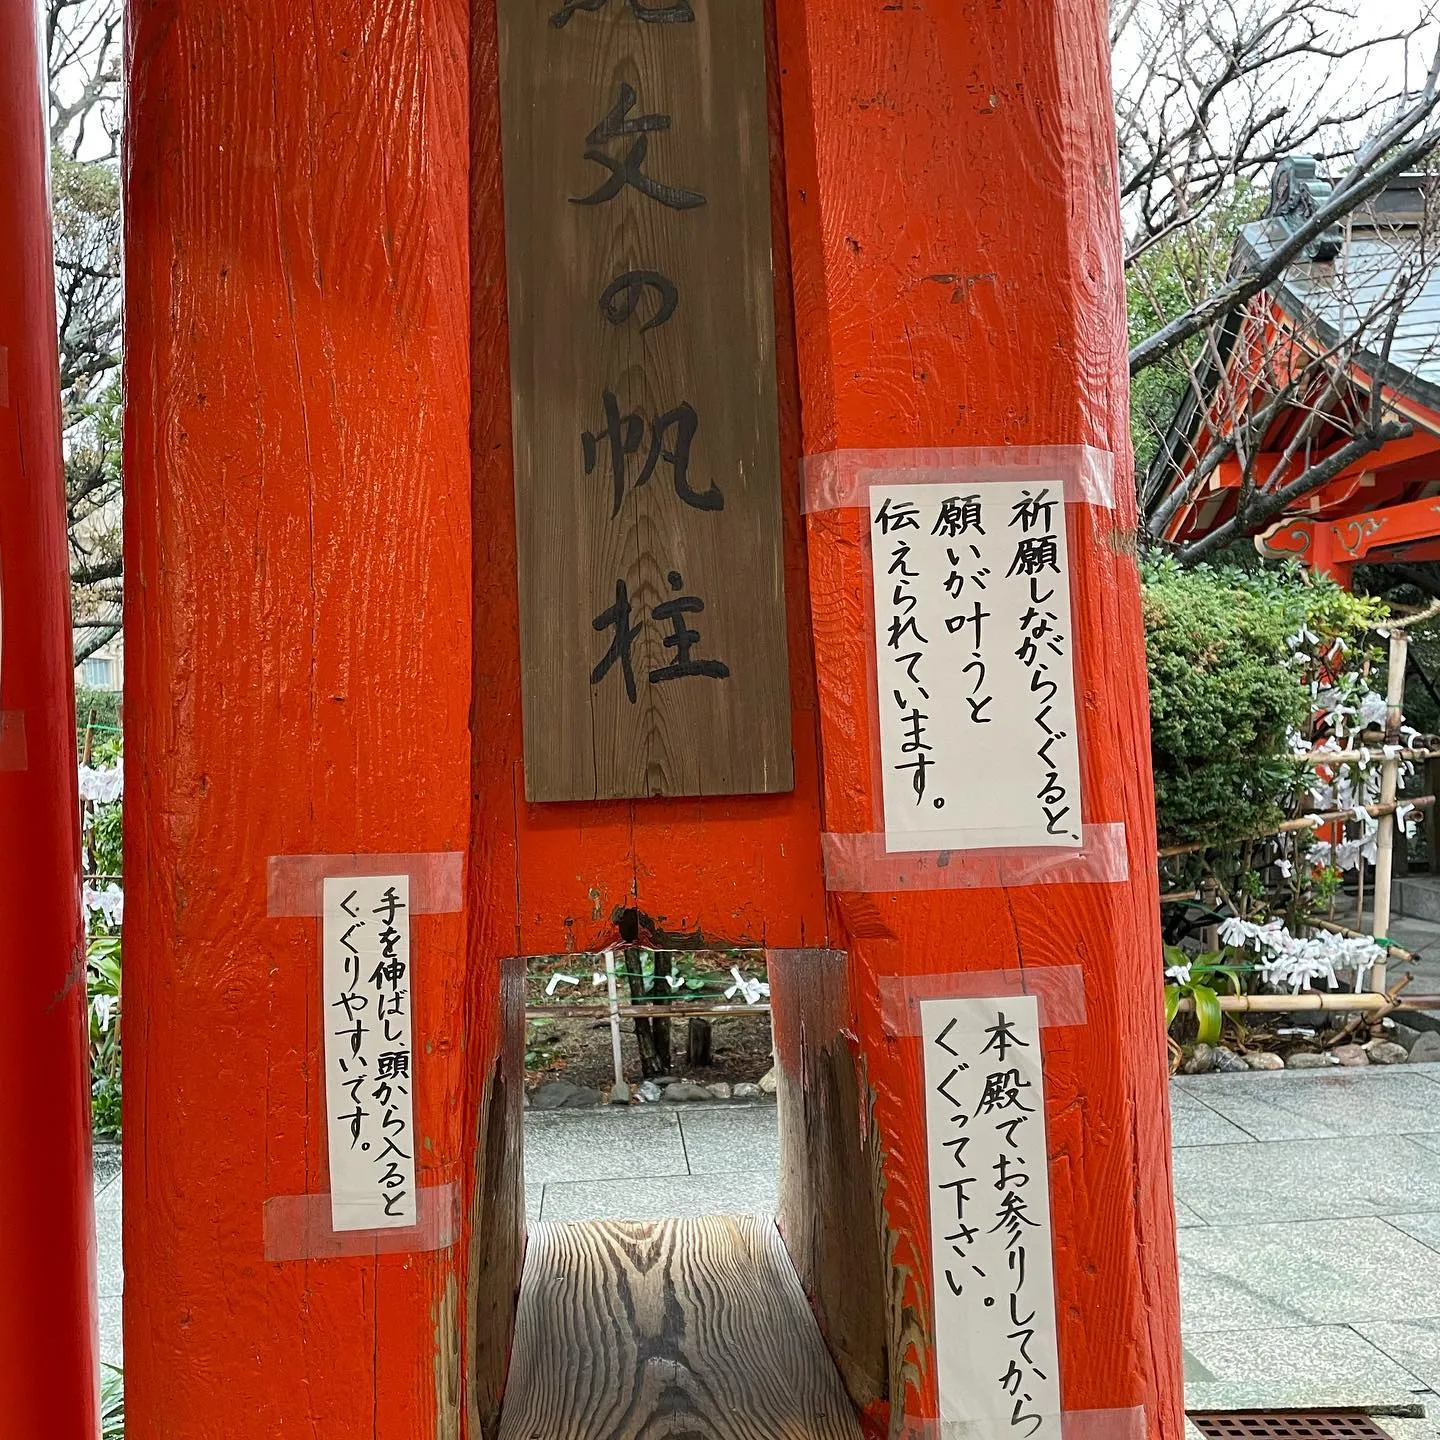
(649, 1090)
(747, 1090)
(720, 1090)
(1230, 1063)
(768, 1083)
(1386, 1052)
(1200, 1061)
(1264, 1060)
(562, 1095)
(1403, 1034)
(1426, 1048)
(1305, 1060)
(1351, 1055)
(682, 1091)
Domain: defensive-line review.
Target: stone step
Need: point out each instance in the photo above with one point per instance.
(1417, 897)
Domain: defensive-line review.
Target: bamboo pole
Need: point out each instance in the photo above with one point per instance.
(1326, 1000)
(614, 1009)
(1389, 782)
(640, 1012)
(1301, 822)
(1335, 928)
(1341, 757)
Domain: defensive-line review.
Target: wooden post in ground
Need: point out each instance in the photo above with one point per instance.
(955, 241)
(48, 1377)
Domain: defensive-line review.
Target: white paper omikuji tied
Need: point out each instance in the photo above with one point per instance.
(991, 1243)
(369, 1055)
(975, 666)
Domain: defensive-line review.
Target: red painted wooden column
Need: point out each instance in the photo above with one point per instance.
(48, 1377)
(955, 241)
(298, 589)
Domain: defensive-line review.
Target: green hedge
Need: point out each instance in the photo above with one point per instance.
(1226, 688)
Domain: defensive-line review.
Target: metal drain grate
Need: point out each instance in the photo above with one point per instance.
(1287, 1425)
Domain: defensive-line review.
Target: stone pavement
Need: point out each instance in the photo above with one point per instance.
(1308, 1205)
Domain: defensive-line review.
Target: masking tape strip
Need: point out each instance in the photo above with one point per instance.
(297, 1227)
(1126, 1424)
(841, 479)
(296, 883)
(1059, 991)
(14, 754)
(860, 864)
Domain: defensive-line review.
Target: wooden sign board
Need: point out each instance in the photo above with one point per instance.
(642, 348)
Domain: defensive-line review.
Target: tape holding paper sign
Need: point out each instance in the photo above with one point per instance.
(1058, 991)
(294, 883)
(996, 1350)
(977, 733)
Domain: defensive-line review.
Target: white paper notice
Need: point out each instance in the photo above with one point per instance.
(368, 1053)
(991, 1244)
(973, 640)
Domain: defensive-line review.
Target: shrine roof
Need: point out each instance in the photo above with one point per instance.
(1328, 293)
(1335, 293)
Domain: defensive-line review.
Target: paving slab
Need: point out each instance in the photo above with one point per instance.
(107, 1240)
(1303, 1366)
(602, 1145)
(1415, 1344)
(1306, 1180)
(1193, 1122)
(1185, 1216)
(1425, 1228)
(683, 1196)
(1319, 1272)
(1318, 1106)
(722, 1139)
(112, 1331)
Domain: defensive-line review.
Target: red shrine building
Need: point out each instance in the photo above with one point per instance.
(1289, 389)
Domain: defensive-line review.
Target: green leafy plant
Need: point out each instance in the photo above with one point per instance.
(1201, 974)
(112, 1403)
(102, 966)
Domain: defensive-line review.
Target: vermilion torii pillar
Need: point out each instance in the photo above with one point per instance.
(955, 240)
(323, 652)
(48, 1372)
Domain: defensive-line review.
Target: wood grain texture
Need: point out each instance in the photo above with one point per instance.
(696, 337)
(496, 1223)
(553, 877)
(298, 612)
(829, 1211)
(694, 1329)
(956, 250)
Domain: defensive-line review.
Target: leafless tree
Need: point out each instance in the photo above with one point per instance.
(1210, 94)
(83, 39)
(1276, 392)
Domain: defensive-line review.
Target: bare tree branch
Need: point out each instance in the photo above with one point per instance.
(1245, 287)
(90, 638)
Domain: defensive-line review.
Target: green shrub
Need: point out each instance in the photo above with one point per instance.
(1231, 655)
(106, 705)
